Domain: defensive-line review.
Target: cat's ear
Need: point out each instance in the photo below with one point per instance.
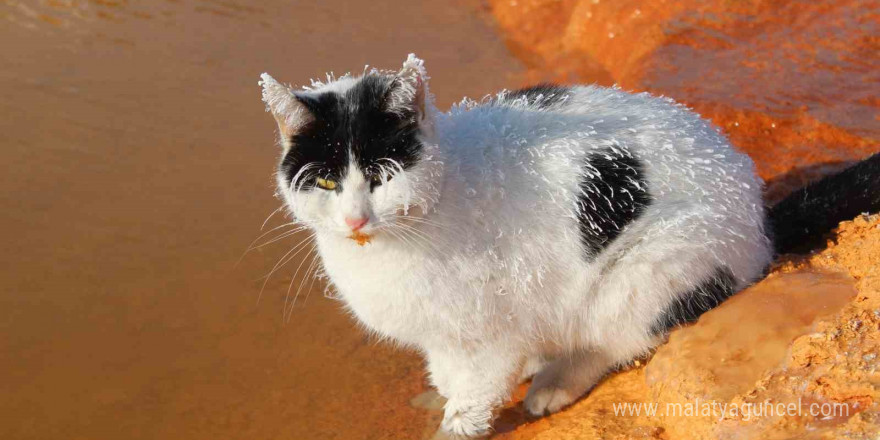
(290, 113)
(409, 92)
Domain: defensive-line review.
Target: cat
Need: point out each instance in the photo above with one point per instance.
(552, 233)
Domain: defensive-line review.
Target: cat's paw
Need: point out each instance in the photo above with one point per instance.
(563, 381)
(467, 419)
(542, 400)
(531, 367)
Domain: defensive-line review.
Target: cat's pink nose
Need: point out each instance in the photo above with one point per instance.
(356, 223)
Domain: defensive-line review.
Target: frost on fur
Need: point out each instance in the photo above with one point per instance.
(411, 91)
(289, 113)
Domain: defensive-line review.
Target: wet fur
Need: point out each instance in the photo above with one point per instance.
(558, 230)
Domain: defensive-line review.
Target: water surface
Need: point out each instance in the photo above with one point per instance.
(135, 169)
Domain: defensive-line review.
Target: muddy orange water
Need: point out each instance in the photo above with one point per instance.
(136, 167)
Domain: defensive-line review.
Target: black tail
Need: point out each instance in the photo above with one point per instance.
(808, 213)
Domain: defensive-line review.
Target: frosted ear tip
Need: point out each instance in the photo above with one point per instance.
(265, 79)
(413, 60)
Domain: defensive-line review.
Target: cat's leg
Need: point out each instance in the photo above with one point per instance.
(564, 380)
(532, 365)
(475, 382)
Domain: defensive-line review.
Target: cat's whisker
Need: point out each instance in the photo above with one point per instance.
(284, 260)
(269, 232)
(270, 216)
(287, 301)
(292, 227)
(391, 228)
(428, 247)
(438, 246)
(399, 222)
(318, 270)
(302, 248)
(284, 234)
(449, 215)
(429, 239)
(426, 222)
(306, 277)
(287, 307)
(281, 236)
(289, 255)
(404, 238)
(396, 218)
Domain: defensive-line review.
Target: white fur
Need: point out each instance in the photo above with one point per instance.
(491, 277)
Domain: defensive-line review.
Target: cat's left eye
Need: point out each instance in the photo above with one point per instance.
(377, 179)
(325, 184)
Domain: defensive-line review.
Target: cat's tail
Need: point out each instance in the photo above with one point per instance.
(810, 212)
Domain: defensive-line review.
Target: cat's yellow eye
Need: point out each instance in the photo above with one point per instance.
(326, 184)
(377, 179)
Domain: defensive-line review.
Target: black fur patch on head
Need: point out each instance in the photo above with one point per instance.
(613, 194)
(689, 306)
(542, 95)
(356, 122)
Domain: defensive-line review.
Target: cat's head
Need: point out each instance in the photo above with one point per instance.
(355, 161)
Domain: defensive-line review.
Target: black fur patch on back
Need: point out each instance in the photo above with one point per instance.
(357, 122)
(689, 306)
(613, 193)
(542, 95)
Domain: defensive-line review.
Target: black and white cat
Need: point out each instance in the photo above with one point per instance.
(552, 231)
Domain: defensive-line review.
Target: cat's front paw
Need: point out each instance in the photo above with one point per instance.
(532, 366)
(543, 400)
(467, 419)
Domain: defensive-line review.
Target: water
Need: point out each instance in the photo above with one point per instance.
(136, 168)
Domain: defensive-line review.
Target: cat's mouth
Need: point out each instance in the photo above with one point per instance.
(360, 238)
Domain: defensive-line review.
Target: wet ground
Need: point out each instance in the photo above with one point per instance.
(135, 169)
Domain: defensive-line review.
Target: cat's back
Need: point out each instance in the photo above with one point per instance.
(550, 132)
(554, 151)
